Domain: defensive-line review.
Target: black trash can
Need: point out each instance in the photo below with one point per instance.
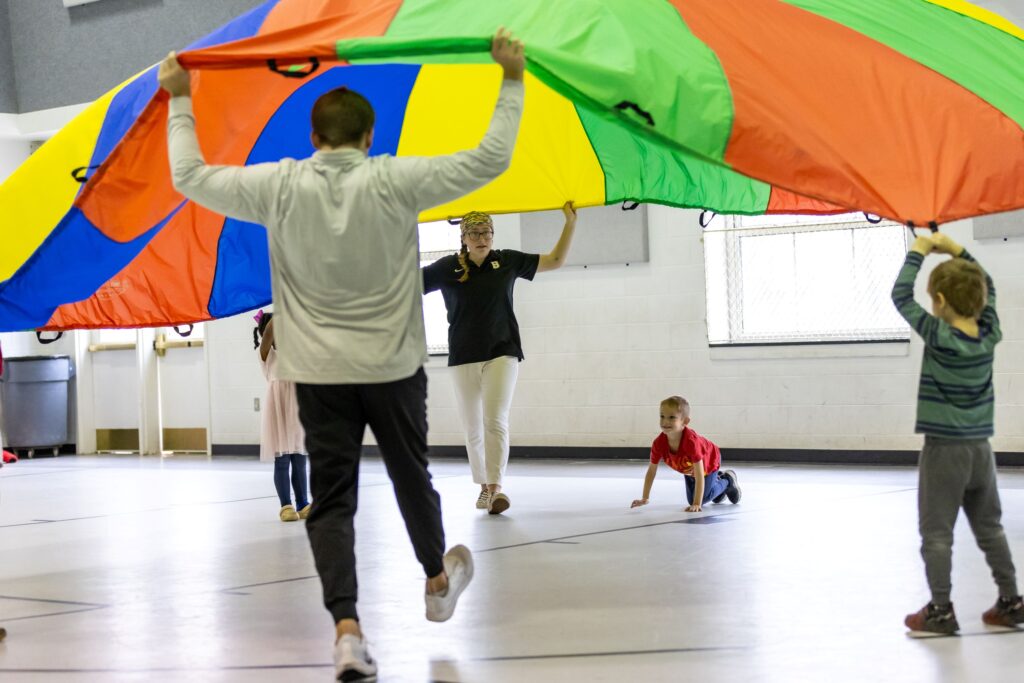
(34, 390)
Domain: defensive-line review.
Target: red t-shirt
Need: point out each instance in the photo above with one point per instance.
(692, 447)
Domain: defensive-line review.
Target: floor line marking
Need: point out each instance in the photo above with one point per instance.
(171, 506)
(54, 614)
(53, 602)
(681, 520)
(267, 583)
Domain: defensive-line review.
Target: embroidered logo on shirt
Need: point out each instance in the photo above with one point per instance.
(495, 265)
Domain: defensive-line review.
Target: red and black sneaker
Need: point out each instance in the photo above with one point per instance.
(932, 620)
(1008, 612)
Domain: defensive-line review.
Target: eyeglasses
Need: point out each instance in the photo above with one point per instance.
(476, 234)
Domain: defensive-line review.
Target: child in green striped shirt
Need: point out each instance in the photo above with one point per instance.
(955, 403)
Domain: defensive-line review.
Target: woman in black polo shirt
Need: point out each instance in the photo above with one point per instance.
(483, 339)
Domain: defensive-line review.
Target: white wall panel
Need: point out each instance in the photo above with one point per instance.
(115, 390)
(184, 398)
(603, 345)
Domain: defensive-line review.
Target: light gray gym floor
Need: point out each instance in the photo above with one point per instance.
(142, 569)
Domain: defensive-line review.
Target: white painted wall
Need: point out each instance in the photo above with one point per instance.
(115, 390)
(25, 344)
(235, 380)
(604, 344)
(184, 396)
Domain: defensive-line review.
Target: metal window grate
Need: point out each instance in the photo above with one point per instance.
(801, 279)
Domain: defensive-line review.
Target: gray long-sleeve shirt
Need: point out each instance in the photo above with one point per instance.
(344, 241)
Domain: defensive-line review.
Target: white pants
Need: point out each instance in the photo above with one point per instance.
(483, 392)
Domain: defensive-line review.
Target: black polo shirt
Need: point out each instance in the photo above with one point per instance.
(481, 323)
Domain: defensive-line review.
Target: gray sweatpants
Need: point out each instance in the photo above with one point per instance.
(955, 473)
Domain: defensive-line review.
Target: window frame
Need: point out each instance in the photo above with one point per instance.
(426, 258)
(734, 230)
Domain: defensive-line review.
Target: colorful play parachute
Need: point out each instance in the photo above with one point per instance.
(908, 109)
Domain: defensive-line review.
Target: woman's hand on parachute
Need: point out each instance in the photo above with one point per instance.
(569, 211)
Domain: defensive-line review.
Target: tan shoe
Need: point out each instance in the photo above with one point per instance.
(288, 514)
(304, 512)
(483, 500)
(499, 503)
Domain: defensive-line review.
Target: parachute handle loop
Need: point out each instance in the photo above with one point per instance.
(630, 206)
(187, 332)
(81, 174)
(625, 105)
(39, 337)
(288, 72)
(932, 225)
(706, 223)
(872, 218)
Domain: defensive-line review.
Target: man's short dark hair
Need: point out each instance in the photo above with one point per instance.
(342, 117)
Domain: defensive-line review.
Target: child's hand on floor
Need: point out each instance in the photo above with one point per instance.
(693, 508)
(638, 502)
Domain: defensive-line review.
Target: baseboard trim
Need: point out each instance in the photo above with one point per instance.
(43, 452)
(799, 456)
(234, 449)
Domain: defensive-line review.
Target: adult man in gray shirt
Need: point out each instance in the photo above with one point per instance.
(344, 255)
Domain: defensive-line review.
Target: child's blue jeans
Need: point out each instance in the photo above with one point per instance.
(714, 486)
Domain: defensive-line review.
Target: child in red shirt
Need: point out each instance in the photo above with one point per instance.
(686, 451)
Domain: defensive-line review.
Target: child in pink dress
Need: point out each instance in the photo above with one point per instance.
(282, 440)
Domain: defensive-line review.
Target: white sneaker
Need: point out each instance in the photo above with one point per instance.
(458, 564)
(483, 500)
(352, 660)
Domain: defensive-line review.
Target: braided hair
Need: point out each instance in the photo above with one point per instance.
(261, 327)
(470, 220)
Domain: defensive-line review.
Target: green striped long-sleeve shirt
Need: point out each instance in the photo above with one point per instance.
(955, 398)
